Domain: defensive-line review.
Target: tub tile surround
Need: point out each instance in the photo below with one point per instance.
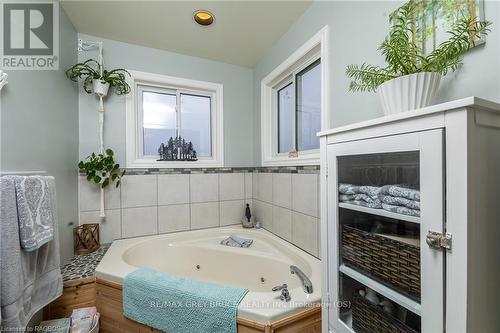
(204, 188)
(157, 201)
(173, 189)
(139, 191)
(204, 215)
(287, 204)
(90, 196)
(173, 218)
(110, 229)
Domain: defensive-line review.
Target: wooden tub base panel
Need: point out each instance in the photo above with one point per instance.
(110, 306)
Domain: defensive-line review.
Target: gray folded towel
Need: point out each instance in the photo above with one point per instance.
(400, 201)
(403, 191)
(361, 199)
(375, 205)
(371, 191)
(28, 280)
(34, 207)
(236, 241)
(401, 210)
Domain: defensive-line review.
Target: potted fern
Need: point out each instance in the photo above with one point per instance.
(99, 80)
(411, 77)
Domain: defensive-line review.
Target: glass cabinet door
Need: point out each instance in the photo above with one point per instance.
(385, 195)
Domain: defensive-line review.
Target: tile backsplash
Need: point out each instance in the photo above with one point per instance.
(286, 203)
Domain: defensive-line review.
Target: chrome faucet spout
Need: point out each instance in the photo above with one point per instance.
(306, 283)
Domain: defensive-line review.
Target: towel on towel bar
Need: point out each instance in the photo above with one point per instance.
(28, 280)
(34, 207)
(177, 304)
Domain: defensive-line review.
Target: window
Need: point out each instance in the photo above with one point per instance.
(160, 119)
(294, 106)
(299, 110)
(160, 107)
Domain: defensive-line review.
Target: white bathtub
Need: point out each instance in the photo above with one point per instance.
(198, 255)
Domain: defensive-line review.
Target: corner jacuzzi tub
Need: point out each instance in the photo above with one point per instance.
(198, 255)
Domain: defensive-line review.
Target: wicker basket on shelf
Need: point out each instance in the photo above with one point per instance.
(86, 238)
(393, 263)
(369, 318)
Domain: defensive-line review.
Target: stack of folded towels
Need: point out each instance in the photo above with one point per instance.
(399, 199)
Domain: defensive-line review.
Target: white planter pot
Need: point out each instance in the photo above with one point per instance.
(408, 92)
(100, 88)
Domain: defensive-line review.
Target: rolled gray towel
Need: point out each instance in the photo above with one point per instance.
(400, 201)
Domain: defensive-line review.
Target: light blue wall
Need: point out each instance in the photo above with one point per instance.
(39, 129)
(356, 30)
(238, 101)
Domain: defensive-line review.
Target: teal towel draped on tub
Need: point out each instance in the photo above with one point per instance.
(175, 304)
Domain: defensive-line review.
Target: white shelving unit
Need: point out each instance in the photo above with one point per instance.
(456, 145)
(400, 299)
(380, 212)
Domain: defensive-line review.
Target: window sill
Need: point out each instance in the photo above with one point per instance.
(150, 163)
(305, 159)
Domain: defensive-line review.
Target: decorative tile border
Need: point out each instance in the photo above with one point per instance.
(312, 169)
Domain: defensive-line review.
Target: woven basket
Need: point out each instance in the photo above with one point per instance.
(369, 318)
(388, 261)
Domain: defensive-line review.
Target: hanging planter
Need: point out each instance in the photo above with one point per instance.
(100, 168)
(100, 88)
(411, 78)
(95, 78)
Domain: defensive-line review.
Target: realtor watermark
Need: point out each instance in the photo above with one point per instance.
(30, 35)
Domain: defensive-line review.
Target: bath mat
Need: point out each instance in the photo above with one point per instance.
(176, 304)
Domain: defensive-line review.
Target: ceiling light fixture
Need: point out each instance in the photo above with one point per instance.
(203, 17)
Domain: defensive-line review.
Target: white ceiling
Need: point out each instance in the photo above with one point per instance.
(242, 33)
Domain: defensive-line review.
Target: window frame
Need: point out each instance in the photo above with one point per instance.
(285, 83)
(163, 83)
(304, 67)
(314, 49)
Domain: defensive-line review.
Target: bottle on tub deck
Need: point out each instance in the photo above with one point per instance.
(248, 221)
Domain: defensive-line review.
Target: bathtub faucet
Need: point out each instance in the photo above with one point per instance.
(306, 283)
(285, 294)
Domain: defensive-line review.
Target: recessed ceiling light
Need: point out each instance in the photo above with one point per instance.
(203, 17)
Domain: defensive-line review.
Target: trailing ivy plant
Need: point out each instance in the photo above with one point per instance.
(102, 169)
(91, 70)
(403, 56)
